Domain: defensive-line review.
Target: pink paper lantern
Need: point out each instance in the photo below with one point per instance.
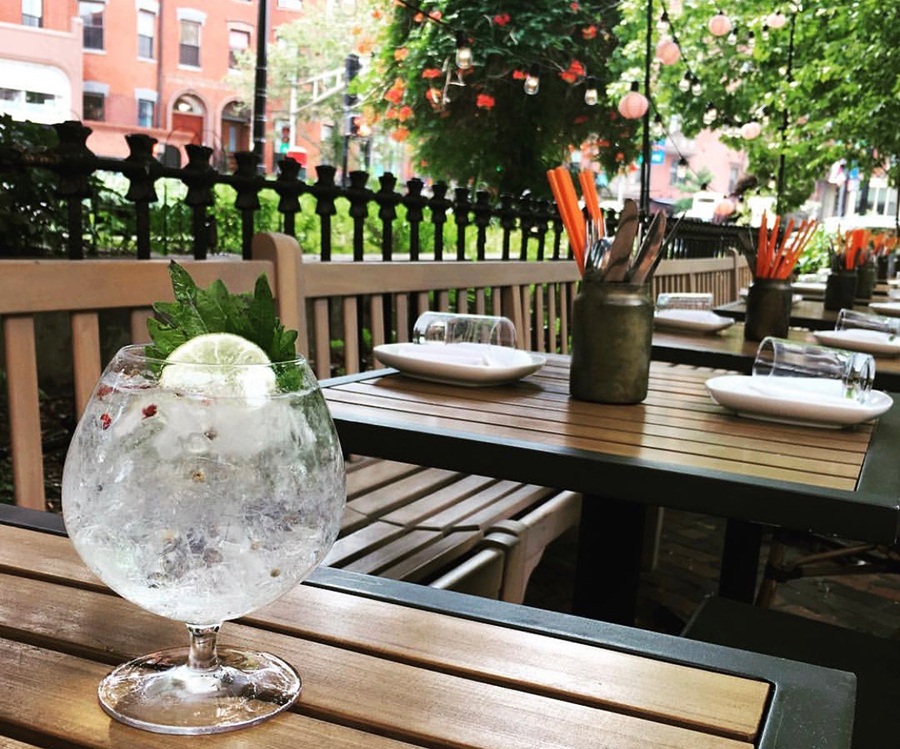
(668, 52)
(633, 105)
(776, 20)
(725, 207)
(750, 130)
(719, 24)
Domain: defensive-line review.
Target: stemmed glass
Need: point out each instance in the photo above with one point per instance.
(201, 493)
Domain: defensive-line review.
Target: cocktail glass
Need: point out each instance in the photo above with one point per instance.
(201, 493)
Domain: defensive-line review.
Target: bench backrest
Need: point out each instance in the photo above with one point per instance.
(353, 306)
(82, 289)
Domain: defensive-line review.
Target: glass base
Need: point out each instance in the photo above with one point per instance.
(161, 693)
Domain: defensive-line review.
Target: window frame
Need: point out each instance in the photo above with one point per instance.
(99, 97)
(148, 16)
(92, 32)
(232, 50)
(31, 5)
(184, 47)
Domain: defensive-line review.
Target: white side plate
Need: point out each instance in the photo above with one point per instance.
(859, 339)
(472, 364)
(806, 401)
(886, 308)
(695, 320)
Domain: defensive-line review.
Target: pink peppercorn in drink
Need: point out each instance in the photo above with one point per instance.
(201, 492)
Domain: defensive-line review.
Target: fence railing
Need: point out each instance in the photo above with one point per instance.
(528, 227)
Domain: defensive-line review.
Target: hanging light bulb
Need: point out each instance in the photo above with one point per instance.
(662, 25)
(591, 97)
(658, 130)
(765, 32)
(668, 52)
(709, 116)
(696, 86)
(719, 24)
(685, 83)
(463, 52)
(751, 42)
(732, 36)
(681, 169)
(776, 20)
(533, 80)
(634, 104)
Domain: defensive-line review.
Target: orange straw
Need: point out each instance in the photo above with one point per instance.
(591, 200)
(564, 194)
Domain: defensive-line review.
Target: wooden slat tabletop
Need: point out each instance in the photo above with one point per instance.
(677, 424)
(376, 673)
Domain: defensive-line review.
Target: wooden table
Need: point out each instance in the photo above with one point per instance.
(807, 313)
(388, 665)
(676, 449)
(727, 349)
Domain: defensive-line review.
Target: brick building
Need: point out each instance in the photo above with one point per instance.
(122, 66)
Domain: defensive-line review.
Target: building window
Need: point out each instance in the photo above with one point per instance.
(238, 43)
(9, 94)
(189, 50)
(38, 97)
(94, 106)
(33, 13)
(146, 29)
(146, 110)
(92, 16)
(290, 4)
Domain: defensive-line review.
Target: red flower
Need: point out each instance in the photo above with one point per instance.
(501, 19)
(400, 134)
(573, 72)
(419, 17)
(105, 421)
(574, 6)
(485, 101)
(395, 92)
(519, 75)
(435, 15)
(430, 73)
(589, 32)
(401, 54)
(580, 119)
(404, 113)
(149, 411)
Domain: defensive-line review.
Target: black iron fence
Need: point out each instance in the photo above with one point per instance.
(439, 217)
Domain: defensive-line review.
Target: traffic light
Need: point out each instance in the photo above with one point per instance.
(352, 67)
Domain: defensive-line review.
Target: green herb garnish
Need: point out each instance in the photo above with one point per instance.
(214, 309)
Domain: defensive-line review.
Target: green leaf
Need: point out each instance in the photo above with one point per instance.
(196, 311)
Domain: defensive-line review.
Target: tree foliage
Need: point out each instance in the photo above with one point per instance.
(478, 125)
(825, 86)
(305, 67)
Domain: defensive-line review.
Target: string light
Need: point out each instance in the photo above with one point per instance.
(684, 84)
(591, 97)
(696, 86)
(732, 36)
(463, 51)
(533, 80)
(709, 116)
(662, 25)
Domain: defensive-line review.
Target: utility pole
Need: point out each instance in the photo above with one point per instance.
(351, 70)
(259, 87)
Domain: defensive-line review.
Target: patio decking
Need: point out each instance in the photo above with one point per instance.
(687, 570)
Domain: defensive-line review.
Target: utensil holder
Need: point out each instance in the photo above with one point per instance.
(612, 331)
(865, 281)
(768, 309)
(840, 290)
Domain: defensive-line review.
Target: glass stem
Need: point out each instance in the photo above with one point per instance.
(202, 655)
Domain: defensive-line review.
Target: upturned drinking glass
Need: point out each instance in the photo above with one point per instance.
(202, 497)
